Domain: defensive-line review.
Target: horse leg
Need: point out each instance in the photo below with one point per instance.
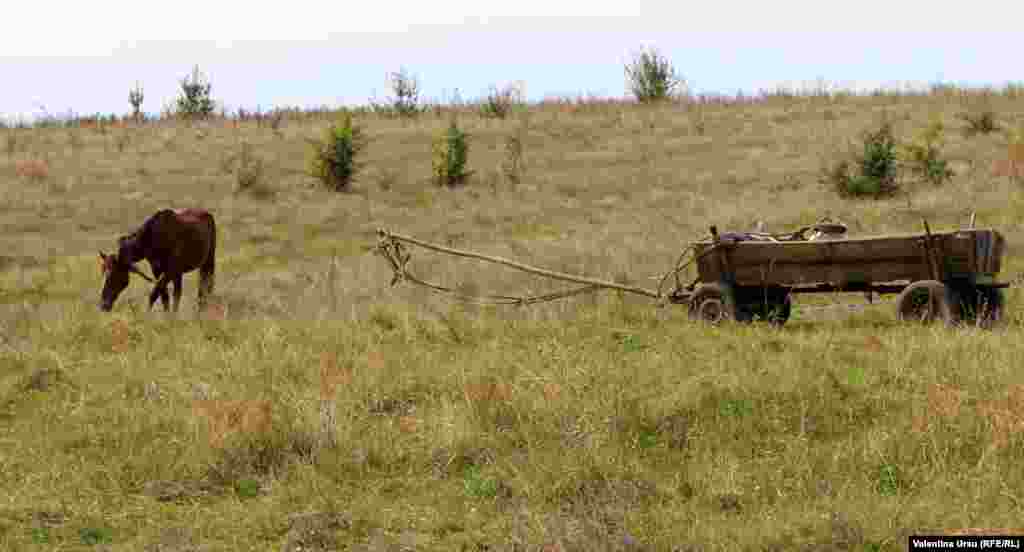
(153, 296)
(207, 273)
(177, 291)
(160, 292)
(205, 288)
(165, 299)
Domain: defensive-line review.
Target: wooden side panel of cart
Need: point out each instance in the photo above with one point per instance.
(973, 256)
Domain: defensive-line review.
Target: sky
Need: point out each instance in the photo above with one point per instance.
(83, 57)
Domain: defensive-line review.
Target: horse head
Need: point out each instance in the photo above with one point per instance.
(117, 271)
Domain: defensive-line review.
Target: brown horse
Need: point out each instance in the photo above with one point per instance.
(174, 243)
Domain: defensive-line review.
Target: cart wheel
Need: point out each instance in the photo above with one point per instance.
(926, 301)
(984, 306)
(992, 307)
(712, 303)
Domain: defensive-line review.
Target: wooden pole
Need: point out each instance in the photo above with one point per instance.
(933, 262)
(724, 266)
(520, 266)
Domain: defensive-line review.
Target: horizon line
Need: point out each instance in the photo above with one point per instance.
(816, 88)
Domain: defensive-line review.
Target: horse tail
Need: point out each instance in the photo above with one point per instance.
(207, 271)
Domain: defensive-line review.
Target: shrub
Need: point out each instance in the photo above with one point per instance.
(406, 87)
(195, 100)
(512, 165)
(276, 119)
(651, 77)
(878, 162)
(499, 103)
(249, 174)
(982, 121)
(135, 97)
(450, 152)
(335, 159)
(478, 485)
(95, 535)
(874, 172)
(923, 158)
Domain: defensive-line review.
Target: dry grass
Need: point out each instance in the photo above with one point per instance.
(32, 169)
(312, 407)
(225, 418)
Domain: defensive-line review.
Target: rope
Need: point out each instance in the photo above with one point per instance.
(675, 271)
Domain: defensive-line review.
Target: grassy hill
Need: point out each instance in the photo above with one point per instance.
(599, 422)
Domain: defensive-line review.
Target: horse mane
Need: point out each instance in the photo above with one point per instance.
(128, 248)
(132, 247)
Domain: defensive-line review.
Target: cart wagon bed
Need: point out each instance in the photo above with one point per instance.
(947, 275)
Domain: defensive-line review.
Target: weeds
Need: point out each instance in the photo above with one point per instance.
(512, 165)
(276, 120)
(478, 485)
(75, 139)
(40, 535)
(888, 480)
(450, 153)
(249, 173)
(923, 158)
(247, 488)
(500, 103)
(386, 179)
(122, 141)
(335, 159)
(92, 536)
(982, 121)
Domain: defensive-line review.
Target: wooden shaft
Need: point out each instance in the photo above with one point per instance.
(520, 266)
(933, 262)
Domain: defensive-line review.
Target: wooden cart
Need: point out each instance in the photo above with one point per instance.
(947, 276)
(744, 277)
